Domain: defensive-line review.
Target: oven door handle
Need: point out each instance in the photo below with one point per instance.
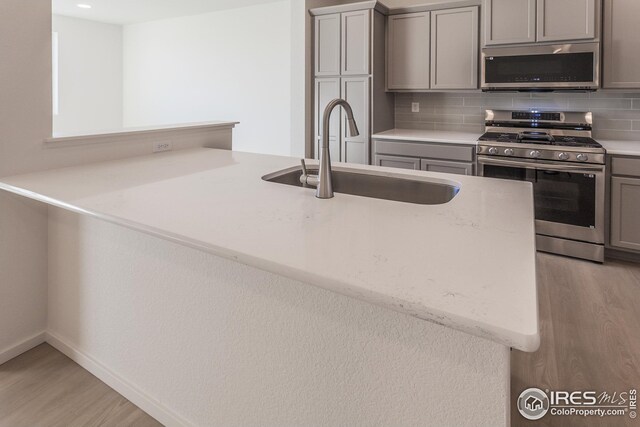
(542, 166)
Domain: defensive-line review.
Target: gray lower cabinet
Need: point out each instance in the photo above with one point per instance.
(396, 162)
(457, 168)
(328, 89)
(620, 37)
(342, 146)
(428, 156)
(356, 91)
(625, 204)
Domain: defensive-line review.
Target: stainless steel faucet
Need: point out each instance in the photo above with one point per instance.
(323, 181)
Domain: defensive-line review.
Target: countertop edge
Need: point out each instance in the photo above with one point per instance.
(141, 131)
(438, 137)
(528, 342)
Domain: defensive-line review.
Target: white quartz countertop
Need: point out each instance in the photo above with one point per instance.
(468, 264)
(449, 137)
(621, 148)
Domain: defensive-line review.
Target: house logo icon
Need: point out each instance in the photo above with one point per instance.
(533, 404)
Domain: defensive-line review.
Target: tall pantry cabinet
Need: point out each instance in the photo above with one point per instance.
(349, 63)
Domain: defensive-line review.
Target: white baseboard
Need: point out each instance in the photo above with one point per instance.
(143, 401)
(26, 345)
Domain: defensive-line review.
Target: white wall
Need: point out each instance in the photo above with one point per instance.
(227, 65)
(25, 123)
(25, 119)
(298, 78)
(90, 76)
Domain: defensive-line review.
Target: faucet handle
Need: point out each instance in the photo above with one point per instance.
(304, 167)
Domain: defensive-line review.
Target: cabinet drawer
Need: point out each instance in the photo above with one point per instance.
(457, 168)
(397, 162)
(626, 166)
(462, 153)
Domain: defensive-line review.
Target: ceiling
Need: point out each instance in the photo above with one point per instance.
(124, 12)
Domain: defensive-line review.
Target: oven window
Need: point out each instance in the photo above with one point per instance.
(561, 197)
(568, 67)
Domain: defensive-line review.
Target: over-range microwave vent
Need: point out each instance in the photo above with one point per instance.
(569, 67)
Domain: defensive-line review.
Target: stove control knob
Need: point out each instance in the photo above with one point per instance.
(493, 151)
(563, 156)
(509, 152)
(535, 154)
(582, 157)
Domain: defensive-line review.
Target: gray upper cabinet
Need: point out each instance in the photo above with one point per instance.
(559, 20)
(356, 42)
(435, 50)
(327, 45)
(454, 48)
(408, 51)
(509, 21)
(620, 44)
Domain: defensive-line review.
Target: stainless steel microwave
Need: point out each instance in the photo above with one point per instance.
(541, 68)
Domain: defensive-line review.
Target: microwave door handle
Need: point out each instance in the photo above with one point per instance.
(543, 166)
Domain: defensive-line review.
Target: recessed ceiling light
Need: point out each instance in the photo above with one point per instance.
(84, 6)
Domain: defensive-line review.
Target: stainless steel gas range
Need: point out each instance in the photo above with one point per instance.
(556, 153)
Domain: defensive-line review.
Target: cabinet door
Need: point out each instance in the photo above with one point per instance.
(454, 48)
(620, 44)
(397, 162)
(560, 20)
(327, 45)
(447, 167)
(408, 51)
(327, 90)
(356, 42)
(355, 90)
(509, 21)
(625, 205)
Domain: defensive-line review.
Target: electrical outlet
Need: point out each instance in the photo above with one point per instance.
(159, 147)
(415, 107)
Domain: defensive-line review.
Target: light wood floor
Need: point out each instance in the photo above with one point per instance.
(590, 320)
(44, 388)
(590, 328)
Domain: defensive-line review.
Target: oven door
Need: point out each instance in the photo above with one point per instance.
(568, 198)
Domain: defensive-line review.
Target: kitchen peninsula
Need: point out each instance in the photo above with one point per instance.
(282, 308)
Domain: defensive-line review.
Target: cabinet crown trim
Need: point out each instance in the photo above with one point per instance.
(350, 7)
(434, 6)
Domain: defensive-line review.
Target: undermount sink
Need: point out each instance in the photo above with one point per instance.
(408, 190)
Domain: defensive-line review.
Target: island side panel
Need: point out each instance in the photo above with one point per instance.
(198, 339)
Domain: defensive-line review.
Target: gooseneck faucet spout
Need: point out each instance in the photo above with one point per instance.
(323, 181)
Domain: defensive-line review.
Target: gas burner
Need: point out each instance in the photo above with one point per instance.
(565, 139)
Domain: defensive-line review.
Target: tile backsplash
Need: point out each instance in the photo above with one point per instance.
(616, 115)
